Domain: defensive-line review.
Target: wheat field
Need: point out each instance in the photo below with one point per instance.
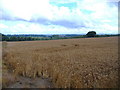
(69, 63)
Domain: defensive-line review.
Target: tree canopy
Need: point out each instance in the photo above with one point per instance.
(91, 34)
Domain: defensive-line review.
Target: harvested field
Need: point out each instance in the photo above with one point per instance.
(73, 63)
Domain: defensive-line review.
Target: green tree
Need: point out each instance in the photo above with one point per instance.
(4, 37)
(13, 38)
(55, 36)
(91, 34)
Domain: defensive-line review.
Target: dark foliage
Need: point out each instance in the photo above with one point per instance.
(49, 37)
(91, 34)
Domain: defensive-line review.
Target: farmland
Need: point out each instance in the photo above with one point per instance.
(69, 63)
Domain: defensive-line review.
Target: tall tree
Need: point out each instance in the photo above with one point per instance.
(91, 34)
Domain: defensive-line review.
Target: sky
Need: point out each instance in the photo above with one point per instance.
(58, 16)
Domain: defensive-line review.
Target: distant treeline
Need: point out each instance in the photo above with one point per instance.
(46, 37)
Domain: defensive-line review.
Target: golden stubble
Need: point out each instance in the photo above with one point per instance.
(76, 63)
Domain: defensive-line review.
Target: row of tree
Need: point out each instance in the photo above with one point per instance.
(53, 37)
(14, 38)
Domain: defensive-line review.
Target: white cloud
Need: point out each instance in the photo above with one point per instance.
(3, 26)
(112, 0)
(92, 14)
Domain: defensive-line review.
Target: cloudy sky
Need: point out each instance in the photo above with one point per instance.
(58, 16)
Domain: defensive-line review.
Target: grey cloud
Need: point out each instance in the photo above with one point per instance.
(64, 23)
(68, 24)
(6, 15)
(43, 21)
(40, 21)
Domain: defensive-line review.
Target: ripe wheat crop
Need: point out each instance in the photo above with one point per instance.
(70, 63)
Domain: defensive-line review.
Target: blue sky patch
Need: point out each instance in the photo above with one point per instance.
(69, 5)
